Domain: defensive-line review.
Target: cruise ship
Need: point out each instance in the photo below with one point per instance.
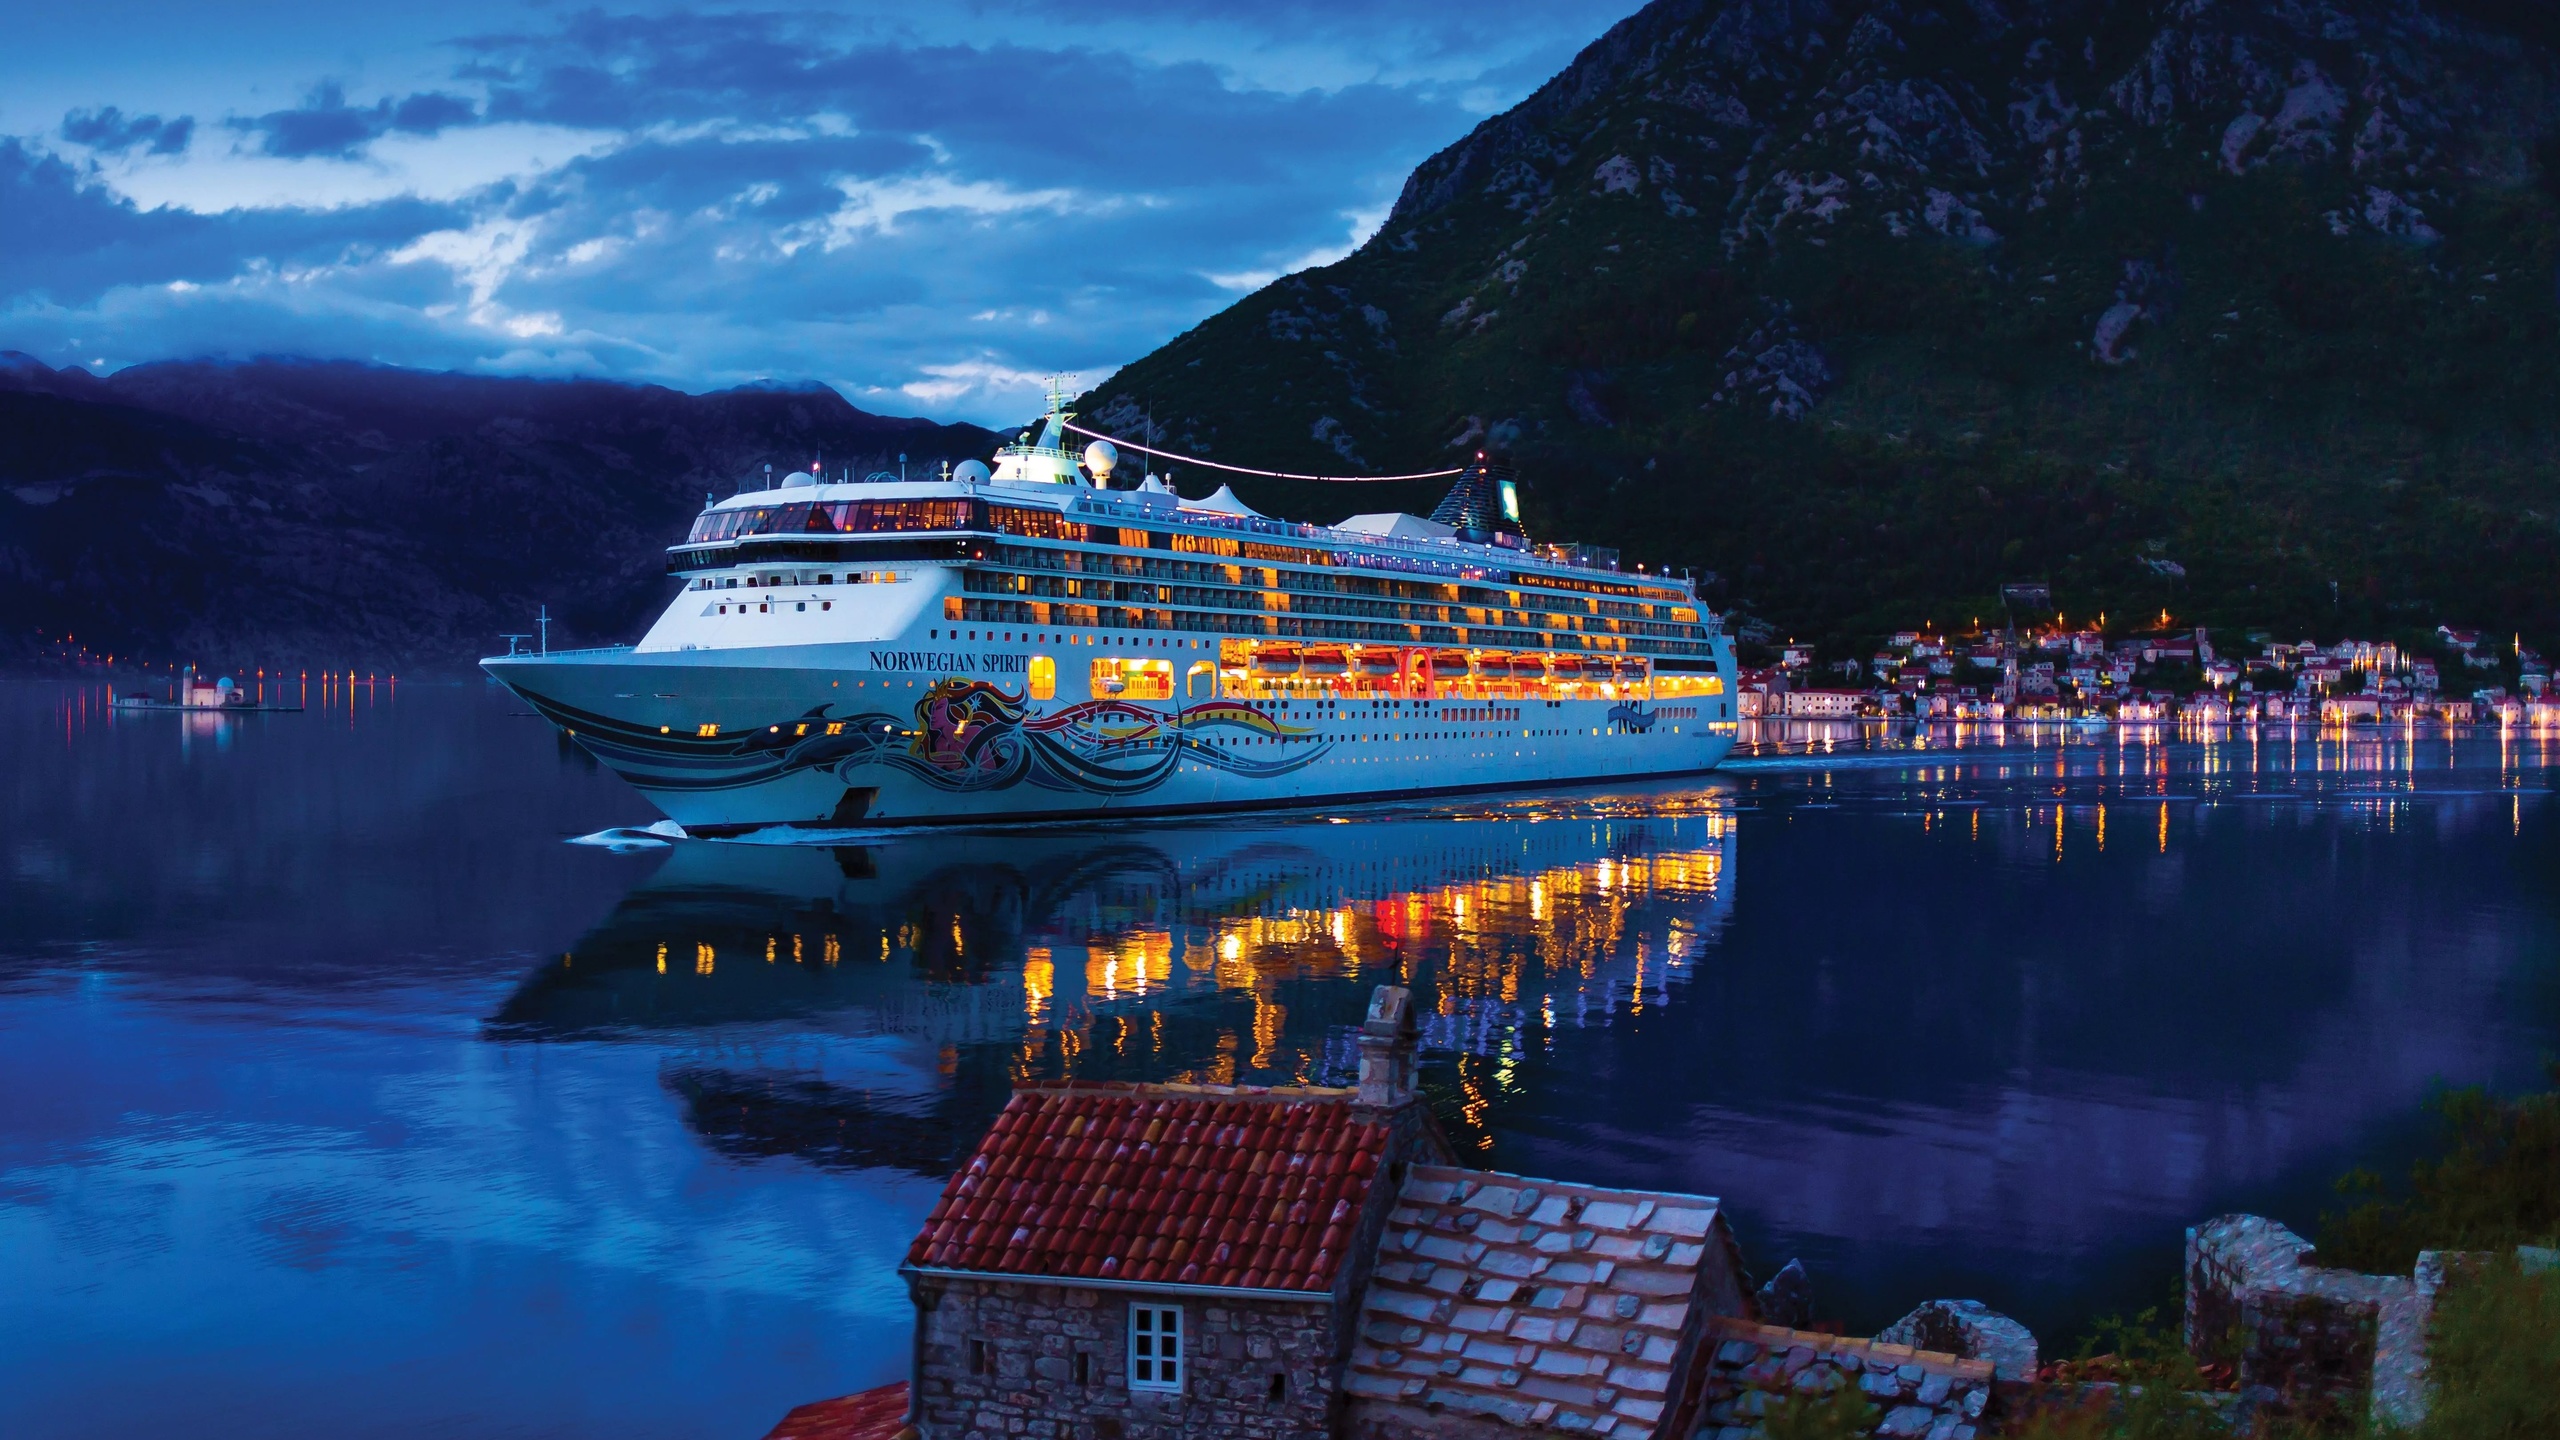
(1027, 642)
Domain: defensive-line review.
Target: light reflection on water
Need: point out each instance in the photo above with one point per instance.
(349, 1090)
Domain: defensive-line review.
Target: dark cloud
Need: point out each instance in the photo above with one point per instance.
(114, 132)
(65, 242)
(326, 125)
(1072, 116)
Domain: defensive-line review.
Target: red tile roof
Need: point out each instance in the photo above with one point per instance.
(1186, 1185)
(871, 1415)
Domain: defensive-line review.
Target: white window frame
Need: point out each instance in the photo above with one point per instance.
(1156, 1359)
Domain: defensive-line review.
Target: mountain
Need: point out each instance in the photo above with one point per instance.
(2242, 311)
(289, 512)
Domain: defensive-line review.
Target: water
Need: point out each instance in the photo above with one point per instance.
(344, 1096)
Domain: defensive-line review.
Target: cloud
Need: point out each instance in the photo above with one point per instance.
(66, 240)
(111, 131)
(326, 125)
(987, 385)
(707, 200)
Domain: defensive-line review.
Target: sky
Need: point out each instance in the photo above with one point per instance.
(928, 206)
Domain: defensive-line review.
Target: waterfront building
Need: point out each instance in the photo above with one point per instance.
(1823, 704)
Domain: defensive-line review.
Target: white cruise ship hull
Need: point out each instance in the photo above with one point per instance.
(852, 734)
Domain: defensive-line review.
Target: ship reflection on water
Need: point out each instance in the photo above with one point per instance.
(1998, 1021)
(1207, 954)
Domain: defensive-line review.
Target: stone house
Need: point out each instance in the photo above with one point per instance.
(1141, 1262)
(1145, 1262)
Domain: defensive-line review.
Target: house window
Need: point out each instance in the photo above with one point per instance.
(977, 1357)
(1155, 1347)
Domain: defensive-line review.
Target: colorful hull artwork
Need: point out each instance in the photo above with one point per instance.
(975, 749)
(963, 736)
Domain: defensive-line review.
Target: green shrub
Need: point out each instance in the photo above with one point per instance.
(2495, 1359)
(2495, 1185)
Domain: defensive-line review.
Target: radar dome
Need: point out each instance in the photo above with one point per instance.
(1099, 457)
(970, 472)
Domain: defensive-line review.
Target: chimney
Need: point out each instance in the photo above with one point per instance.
(1387, 1040)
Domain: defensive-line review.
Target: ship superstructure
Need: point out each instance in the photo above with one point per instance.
(1025, 642)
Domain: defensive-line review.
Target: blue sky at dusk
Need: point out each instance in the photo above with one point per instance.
(927, 206)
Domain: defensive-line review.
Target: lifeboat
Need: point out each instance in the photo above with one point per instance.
(1380, 662)
(1569, 667)
(1275, 660)
(1630, 669)
(1324, 661)
(1449, 662)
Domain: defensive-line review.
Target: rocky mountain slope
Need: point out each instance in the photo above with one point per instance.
(308, 513)
(2246, 311)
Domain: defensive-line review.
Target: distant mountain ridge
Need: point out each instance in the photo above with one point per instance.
(2242, 311)
(327, 512)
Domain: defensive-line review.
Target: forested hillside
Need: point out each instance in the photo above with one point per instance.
(325, 513)
(2247, 311)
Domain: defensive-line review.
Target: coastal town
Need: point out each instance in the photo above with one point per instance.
(2163, 676)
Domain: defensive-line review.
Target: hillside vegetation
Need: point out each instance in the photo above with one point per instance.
(291, 512)
(2243, 311)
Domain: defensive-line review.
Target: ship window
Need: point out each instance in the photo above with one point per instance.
(826, 579)
(1044, 678)
(1117, 678)
(874, 516)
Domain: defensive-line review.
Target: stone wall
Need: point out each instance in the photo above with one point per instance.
(2307, 1333)
(1238, 1352)
(1969, 1330)
(1917, 1394)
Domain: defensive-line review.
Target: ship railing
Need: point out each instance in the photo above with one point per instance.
(560, 654)
(1447, 554)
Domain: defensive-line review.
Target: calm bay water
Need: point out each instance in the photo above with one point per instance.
(340, 1095)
